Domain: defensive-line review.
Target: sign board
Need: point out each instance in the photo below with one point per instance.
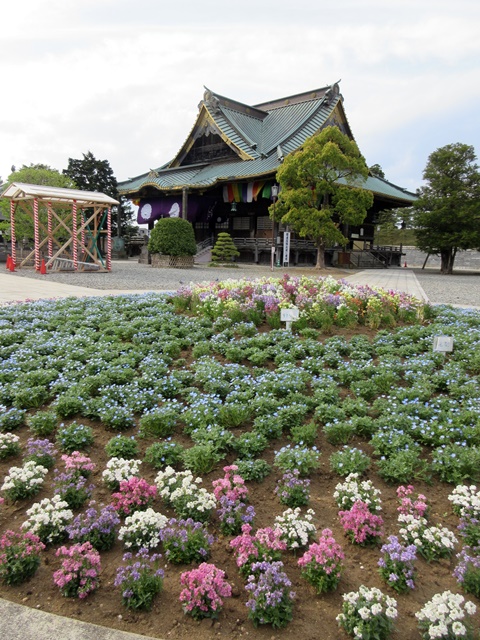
(288, 316)
(286, 248)
(443, 343)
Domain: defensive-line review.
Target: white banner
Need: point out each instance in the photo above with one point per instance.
(286, 248)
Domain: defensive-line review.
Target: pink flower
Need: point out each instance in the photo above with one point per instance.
(203, 591)
(360, 524)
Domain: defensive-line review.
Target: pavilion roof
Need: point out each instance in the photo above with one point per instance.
(22, 191)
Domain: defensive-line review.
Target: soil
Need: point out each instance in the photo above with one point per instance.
(313, 616)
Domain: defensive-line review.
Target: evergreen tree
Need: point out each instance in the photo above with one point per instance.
(224, 249)
(321, 189)
(91, 174)
(447, 211)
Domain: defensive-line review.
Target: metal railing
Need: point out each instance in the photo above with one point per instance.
(205, 244)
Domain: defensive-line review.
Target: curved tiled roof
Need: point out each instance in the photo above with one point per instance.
(256, 133)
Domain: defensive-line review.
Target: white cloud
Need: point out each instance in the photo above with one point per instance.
(124, 79)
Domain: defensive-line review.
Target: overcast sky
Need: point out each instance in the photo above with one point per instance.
(123, 78)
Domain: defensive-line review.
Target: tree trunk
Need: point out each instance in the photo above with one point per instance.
(320, 255)
(447, 259)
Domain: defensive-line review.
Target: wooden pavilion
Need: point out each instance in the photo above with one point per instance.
(69, 225)
(222, 177)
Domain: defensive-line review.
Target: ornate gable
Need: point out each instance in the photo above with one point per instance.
(207, 141)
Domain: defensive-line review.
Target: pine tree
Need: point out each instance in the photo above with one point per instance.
(224, 249)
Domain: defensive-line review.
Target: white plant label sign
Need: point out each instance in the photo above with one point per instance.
(443, 343)
(289, 316)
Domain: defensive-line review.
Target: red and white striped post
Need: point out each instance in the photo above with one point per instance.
(109, 239)
(74, 233)
(82, 233)
(12, 232)
(49, 230)
(36, 234)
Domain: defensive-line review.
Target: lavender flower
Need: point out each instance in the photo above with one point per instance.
(96, 525)
(186, 541)
(271, 600)
(397, 564)
(141, 579)
(467, 571)
(233, 514)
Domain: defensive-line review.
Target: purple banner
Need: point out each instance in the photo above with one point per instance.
(169, 207)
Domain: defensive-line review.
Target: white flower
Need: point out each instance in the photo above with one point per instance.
(459, 629)
(364, 613)
(142, 529)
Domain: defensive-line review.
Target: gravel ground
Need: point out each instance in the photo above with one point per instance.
(132, 276)
(459, 288)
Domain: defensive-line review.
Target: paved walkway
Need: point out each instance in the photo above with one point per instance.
(22, 623)
(13, 289)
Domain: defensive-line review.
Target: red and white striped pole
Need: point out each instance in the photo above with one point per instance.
(12, 232)
(74, 233)
(49, 230)
(109, 239)
(36, 233)
(82, 233)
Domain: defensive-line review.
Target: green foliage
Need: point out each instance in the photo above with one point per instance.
(224, 249)
(122, 447)
(173, 237)
(164, 454)
(201, 458)
(254, 470)
(457, 464)
(159, 423)
(349, 460)
(42, 423)
(321, 184)
(40, 174)
(91, 174)
(339, 432)
(447, 212)
(250, 444)
(304, 434)
(12, 419)
(403, 466)
(74, 437)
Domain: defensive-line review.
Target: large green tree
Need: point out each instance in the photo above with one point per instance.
(447, 211)
(91, 174)
(321, 189)
(29, 174)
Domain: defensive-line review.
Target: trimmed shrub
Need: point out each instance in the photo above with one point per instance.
(173, 237)
(224, 249)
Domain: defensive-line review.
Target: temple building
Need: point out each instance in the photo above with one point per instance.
(222, 177)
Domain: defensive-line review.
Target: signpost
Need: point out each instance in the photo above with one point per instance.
(443, 344)
(288, 316)
(286, 248)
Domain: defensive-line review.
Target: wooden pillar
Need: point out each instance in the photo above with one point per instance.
(184, 203)
(36, 234)
(75, 238)
(109, 239)
(13, 238)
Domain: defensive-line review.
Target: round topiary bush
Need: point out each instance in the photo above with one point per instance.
(173, 237)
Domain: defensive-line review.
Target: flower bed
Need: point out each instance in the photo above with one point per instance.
(231, 395)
